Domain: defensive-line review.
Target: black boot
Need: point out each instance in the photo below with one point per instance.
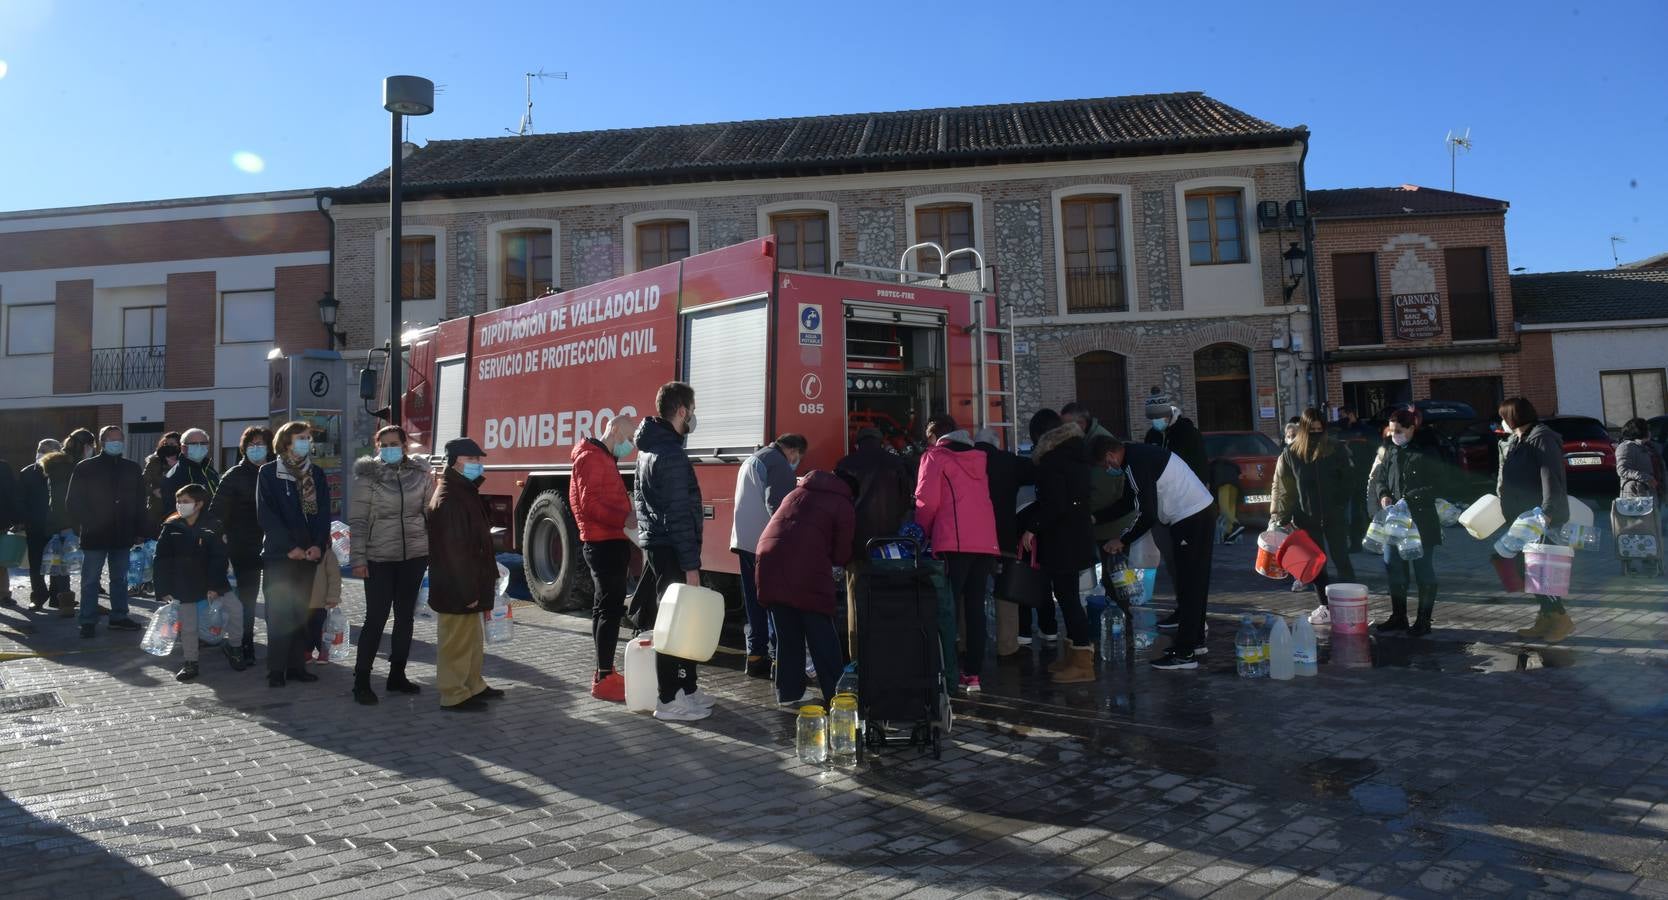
(362, 693)
(1398, 614)
(1427, 604)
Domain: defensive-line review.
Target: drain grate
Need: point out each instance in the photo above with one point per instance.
(27, 702)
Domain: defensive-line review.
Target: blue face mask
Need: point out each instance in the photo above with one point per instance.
(256, 453)
(301, 446)
(391, 455)
(115, 448)
(472, 471)
(196, 452)
(1114, 471)
(622, 450)
(1160, 424)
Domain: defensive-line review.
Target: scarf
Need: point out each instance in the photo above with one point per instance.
(303, 472)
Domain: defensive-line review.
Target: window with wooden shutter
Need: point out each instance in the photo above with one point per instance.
(1089, 227)
(1470, 301)
(950, 226)
(659, 243)
(1355, 298)
(801, 240)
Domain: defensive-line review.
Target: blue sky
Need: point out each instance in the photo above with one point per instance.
(111, 101)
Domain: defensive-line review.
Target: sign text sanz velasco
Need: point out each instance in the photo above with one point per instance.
(1417, 316)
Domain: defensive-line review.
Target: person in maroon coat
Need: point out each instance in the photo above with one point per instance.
(809, 535)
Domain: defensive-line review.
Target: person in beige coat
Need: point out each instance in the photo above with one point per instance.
(388, 529)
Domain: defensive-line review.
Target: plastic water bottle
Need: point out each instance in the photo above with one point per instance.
(1399, 521)
(1378, 536)
(50, 557)
(842, 730)
(1247, 648)
(1281, 665)
(848, 680)
(211, 623)
(336, 645)
(135, 570)
(1529, 528)
(1411, 546)
(500, 622)
(1145, 626)
(424, 611)
(1305, 656)
(163, 631)
(231, 578)
(811, 735)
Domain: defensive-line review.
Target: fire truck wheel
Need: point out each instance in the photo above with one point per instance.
(556, 573)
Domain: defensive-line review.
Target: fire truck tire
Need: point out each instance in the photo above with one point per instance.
(556, 573)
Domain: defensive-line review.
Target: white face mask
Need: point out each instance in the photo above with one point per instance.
(1505, 427)
(185, 509)
(1400, 440)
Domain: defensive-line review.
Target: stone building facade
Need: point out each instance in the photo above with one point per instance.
(1156, 319)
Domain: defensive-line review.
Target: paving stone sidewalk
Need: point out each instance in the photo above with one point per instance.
(1468, 764)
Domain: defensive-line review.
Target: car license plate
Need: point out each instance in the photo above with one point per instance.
(1257, 498)
(1586, 460)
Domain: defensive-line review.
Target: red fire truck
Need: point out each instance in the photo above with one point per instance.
(768, 351)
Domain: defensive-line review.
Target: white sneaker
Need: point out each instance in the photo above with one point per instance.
(1025, 640)
(700, 698)
(680, 710)
(1321, 616)
(808, 698)
(1050, 638)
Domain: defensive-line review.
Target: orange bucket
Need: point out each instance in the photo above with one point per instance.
(1268, 552)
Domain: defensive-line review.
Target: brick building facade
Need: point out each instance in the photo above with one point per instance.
(1126, 259)
(1415, 298)
(155, 316)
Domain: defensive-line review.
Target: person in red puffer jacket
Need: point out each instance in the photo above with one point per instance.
(601, 506)
(953, 506)
(809, 535)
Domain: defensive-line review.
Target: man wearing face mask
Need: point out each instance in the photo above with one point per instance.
(764, 480)
(463, 575)
(668, 502)
(193, 467)
(234, 509)
(597, 495)
(106, 503)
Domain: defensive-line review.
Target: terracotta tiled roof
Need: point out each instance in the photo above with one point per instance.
(1395, 202)
(816, 145)
(1601, 295)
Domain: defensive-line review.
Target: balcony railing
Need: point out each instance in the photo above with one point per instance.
(1092, 290)
(129, 368)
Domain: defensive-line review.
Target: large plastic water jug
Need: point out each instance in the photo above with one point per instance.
(641, 684)
(1483, 517)
(1143, 554)
(688, 622)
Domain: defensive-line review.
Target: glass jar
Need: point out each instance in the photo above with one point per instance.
(842, 730)
(811, 735)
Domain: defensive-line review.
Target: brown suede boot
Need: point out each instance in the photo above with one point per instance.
(1558, 627)
(1064, 661)
(1080, 666)
(1535, 631)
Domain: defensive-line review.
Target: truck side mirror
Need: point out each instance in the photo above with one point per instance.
(367, 384)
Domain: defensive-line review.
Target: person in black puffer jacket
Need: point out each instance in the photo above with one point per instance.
(1532, 475)
(191, 566)
(1061, 528)
(106, 503)
(1408, 467)
(40, 524)
(668, 501)
(234, 509)
(1312, 483)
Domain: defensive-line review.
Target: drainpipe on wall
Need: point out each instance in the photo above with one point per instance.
(1317, 366)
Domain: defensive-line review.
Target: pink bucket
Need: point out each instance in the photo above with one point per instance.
(1546, 569)
(1348, 603)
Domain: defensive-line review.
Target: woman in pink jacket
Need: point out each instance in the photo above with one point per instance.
(952, 505)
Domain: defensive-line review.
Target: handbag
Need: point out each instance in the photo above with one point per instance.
(1022, 582)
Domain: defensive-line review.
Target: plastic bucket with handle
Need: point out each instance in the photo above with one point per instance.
(1268, 551)
(1301, 557)
(1348, 603)
(1547, 569)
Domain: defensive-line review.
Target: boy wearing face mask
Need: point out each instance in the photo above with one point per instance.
(106, 503)
(390, 550)
(234, 508)
(597, 495)
(1407, 468)
(191, 566)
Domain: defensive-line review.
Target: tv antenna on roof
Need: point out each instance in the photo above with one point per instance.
(1614, 240)
(526, 126)
(1454, 146)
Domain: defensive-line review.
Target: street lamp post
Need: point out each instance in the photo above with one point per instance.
(328, 306)
(402, 95)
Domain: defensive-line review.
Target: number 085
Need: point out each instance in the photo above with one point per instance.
(811, 409)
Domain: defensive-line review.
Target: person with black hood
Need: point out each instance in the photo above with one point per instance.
(1176, 433)
(40, 523)
(1407, 468)
(885, 494)
(106, 503)
(668, 502)
(1162, 490)
(1313, 481)
(1007, 473)
(1059, 528)
(157, 466)
(1532, 475)
(234, 509)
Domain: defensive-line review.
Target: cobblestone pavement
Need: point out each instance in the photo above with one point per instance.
(1466, 764)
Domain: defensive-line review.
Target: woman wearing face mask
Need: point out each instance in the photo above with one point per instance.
(292, 505)
(1531, 475)
(1408, 468)
(597, 496)
(390, 542)
(157, 466)
(1312, 481)
(234, 509)
(191, 566)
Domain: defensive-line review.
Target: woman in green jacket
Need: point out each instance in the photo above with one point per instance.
(1312, 481)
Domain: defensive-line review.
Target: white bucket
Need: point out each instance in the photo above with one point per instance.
(1483, 518)
(688, 621)
(641, 684)
(1546, 569)
(1348, 603)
